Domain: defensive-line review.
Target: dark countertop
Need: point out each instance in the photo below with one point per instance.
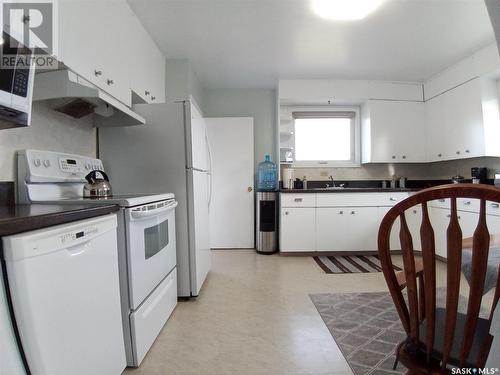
(350, 190)
(368, 186)
(26, 217)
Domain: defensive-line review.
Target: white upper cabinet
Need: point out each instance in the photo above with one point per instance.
(393, 131)
(92, 45)
(105, 43)
(148, 66)
(456, 125)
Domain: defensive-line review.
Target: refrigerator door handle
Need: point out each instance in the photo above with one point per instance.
(209, 151)
(209, 175)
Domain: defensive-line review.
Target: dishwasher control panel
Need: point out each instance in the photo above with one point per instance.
(68, 238)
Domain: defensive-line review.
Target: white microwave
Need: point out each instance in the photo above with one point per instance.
(16, 83)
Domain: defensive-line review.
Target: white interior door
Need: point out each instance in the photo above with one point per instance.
(232, 197)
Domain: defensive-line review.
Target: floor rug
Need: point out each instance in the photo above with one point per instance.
(350, 263)
(366, 328)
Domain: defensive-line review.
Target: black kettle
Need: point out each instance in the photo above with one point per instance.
(97, 185)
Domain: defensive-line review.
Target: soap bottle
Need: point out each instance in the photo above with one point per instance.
(393, 182)
(304, 183)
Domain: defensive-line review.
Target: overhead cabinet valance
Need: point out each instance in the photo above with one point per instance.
(325, 114)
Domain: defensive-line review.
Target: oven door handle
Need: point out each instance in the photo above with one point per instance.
(155, 212)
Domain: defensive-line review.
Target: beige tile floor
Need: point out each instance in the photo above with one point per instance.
(254, 316)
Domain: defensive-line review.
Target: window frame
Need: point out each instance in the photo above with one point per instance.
(331, 112)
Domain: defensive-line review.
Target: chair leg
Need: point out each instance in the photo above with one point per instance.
(396, 361)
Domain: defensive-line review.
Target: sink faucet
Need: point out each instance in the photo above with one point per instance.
(331, 179)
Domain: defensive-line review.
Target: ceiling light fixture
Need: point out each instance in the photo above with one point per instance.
(345, 10)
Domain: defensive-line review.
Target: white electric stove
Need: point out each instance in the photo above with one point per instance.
(146, 240)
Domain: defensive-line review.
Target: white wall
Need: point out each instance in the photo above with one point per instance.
(257, 103)
(49, 130)
(182, 82)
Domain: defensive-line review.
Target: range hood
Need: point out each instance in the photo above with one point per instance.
(74, 96)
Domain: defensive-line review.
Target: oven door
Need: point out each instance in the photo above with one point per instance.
(151, 250)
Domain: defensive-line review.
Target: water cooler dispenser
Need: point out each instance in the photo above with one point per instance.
(266, 211)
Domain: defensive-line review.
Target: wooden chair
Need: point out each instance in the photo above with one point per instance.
(440, 337)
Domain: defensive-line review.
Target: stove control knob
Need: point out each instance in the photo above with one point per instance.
(46, 163)
(37, 162)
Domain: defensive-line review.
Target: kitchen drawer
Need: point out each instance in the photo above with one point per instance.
(298, 200)
(493, 208)
(359, 199)
(440, 203)
(148, 320)
(463, 204)
(468, 205)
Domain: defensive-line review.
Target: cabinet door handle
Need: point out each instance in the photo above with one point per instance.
(415, 212)
(110, 82)
(353, 212)
(458, 152)
(297, 200)
(404, 156)
(393, 199)
(341, 212)
(449, 215)
(442, 200)
(394, 156)
(467, 151)
(97, 72)
(146, 93)
(153, 98)
(495, 205)
(467, 203)
(439, 155)
(286, 212)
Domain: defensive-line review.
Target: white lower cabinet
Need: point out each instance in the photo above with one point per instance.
(394, 240)
(334, 222)
(325, 223)
(297, 229)
(346, 228)
(440, 219)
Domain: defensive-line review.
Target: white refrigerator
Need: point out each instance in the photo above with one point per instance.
(170, 153)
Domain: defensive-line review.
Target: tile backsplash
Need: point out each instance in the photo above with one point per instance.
(416, 171)
(50, 131)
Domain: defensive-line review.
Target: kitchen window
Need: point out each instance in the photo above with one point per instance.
(329, 138)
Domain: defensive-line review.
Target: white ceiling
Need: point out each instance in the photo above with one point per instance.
(253, 43)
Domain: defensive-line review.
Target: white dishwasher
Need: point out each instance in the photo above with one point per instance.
(64, 287)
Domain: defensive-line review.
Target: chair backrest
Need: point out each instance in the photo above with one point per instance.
(421, 300)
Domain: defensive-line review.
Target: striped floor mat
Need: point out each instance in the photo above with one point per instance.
(350, 264)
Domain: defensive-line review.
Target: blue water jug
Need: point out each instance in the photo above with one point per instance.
(267, 178)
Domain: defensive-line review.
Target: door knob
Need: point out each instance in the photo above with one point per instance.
(250, 189)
